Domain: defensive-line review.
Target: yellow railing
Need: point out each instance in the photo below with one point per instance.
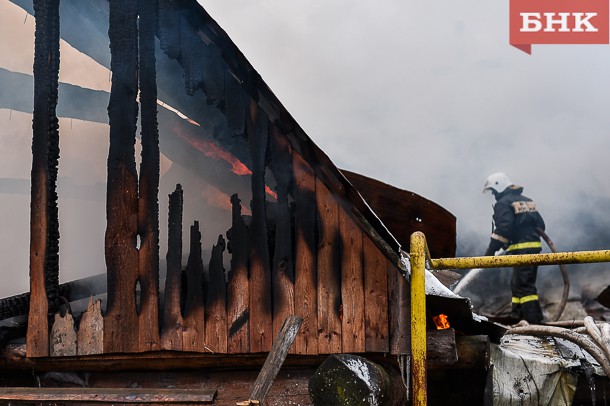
(420, 256)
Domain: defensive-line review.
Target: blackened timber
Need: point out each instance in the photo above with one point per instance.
(375, 298)
(261, 325)
(352, 285)
(169, 29)
(238, 291)
(329, 272)
(216, 306)
(193, 336)
(121, 321)
(44, 229)
(283, 263)
(148, 204)
(171, 333)
(306, 294)
(399, 308)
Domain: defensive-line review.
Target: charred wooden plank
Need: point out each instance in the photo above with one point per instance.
(275, 359)
(352, 285)
(329, 272)
(90, 336)
(282, 271)
(306, 297)
(399, 311)
(44, 220)
(216, 307)
(238, 292)
(375, 298)
(62, 341)
(193, 336)
(109, 395)
(148, 204)
(121, 321)
(171, 333)
(261, 326)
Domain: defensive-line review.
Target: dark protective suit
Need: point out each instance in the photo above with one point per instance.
(515, 221)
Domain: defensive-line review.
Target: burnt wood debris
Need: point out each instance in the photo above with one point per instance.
(298, 239)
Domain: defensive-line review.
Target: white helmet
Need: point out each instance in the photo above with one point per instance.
(497, 181)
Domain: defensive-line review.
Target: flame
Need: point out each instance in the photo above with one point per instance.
(441, 321)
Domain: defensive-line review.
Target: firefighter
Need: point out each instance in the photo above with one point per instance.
(515, 220)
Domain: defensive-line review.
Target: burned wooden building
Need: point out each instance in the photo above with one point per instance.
(287, 232)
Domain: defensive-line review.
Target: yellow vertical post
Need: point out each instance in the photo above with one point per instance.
(418, 318)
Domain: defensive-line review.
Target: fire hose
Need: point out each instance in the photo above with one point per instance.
(564, 276)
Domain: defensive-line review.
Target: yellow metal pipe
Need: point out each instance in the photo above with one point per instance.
(418, 318)
(578, 257)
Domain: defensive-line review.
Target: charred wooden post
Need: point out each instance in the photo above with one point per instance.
(305, 295)
(261, 324)
(171, 333)
(193, 337)
(238, 292)
(44, 220)
(282, 271)
(121, 321)
(329, 272)
(148, 204)
(375, 298)
(400, 308)
(352, 285)
(216, 306)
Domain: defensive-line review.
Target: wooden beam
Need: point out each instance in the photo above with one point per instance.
(44, 223)
(306, 294)
(441, 347)
(261, 324)
(216, 307)
(109, 395)
(148, 197)
(276, 357)
(352, 285)
(329, 272)
(121, 320)
(193, 332)
(171, 333)
(238, 291)
(376, 324)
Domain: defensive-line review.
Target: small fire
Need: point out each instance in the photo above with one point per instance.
(441, 321)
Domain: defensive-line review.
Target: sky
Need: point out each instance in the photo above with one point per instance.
(426, 96)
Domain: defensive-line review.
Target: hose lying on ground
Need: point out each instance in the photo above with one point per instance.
(598, 346)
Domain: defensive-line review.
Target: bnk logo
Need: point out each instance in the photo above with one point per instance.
(558, 22)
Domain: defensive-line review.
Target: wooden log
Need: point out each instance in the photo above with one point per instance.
(399, 311)
(238, 292)
(193, 332)
(261, 325)
(109, 395)
(306, 297)
(44, 225)
(376, 331)
(216, 307)
(63, 336)
(441, 347)
(276, 357)
(90, 336)
(171, 333)
(352, 285)
(148, 203)
(282, 271)
(329, 272)
(121, 320)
